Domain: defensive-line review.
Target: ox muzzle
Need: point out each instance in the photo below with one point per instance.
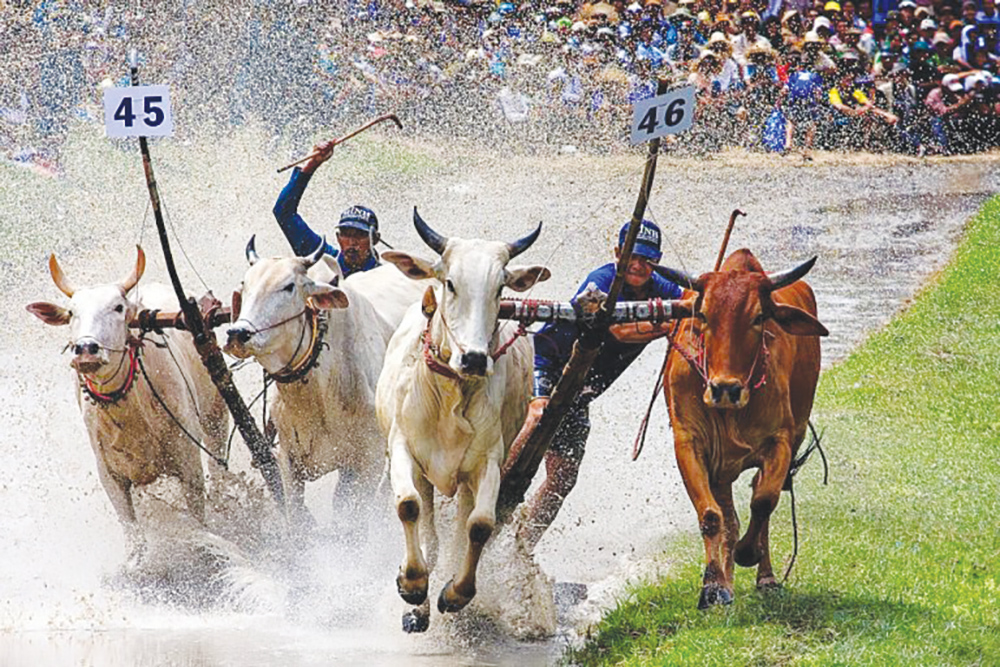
(238, 338)
(474, 363)
(89, 356)
(726, 394)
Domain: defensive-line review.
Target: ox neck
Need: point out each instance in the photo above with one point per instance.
(306, 355)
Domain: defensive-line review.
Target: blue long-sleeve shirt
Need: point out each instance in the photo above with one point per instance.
(300, 236)
(554, 342)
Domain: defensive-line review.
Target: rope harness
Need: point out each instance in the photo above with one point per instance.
(432, 353)
(133, 347)
(295, 372)
(104, 399)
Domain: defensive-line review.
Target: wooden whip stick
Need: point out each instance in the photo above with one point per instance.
(340, 140)
(725, 239)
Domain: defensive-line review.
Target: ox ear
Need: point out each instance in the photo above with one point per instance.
(797, 322)
(326, 297)
(49, 313)
(412, 267)
(237, 305)
(521, 279)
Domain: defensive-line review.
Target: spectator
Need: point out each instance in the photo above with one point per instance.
(800, 100)
(858, 122)
(949, 104)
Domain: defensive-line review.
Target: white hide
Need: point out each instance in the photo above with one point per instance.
(326, 422)
(135, 440)
(451, 434)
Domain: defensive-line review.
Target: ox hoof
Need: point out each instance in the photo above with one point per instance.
(411, 595)
(451, 601)
(768, 585)
(416, 621)
(713, 595)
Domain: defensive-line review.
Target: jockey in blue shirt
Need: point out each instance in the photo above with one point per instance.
(553, 345)
(357, 231)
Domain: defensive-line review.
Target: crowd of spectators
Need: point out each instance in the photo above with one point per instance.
(779, 75)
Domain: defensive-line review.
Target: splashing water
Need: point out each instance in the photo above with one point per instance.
(235, 591)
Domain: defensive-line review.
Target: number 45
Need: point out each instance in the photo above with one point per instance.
(150, 106)
(673, 114)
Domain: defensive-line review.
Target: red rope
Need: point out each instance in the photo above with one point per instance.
(119, 393)
(527, 315)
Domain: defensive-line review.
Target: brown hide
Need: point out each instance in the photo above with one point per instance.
(715, 443)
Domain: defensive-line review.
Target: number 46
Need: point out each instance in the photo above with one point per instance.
(150, 106)
(673, 114)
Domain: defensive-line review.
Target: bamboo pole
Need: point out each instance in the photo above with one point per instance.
(204, 340)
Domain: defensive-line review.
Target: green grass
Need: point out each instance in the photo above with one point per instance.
(899, 558)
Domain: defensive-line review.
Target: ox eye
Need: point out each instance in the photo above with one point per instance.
(450, 286)
(500, 292)
(759, 320)
(701, 316)
(288, 288)
(119, 308)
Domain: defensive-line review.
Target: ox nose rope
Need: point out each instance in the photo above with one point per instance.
(814, 445)
(159, 399)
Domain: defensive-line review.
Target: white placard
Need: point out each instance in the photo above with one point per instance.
(669, 113)
(138, 111)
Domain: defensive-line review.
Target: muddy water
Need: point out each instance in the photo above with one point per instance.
(236, 593)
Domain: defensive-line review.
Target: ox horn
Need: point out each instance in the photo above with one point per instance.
(781, 279)
(430, 237)
(251, 252)
(59, 278)
(681, 278)
(314, 256)
(140, 268)
(522, 244)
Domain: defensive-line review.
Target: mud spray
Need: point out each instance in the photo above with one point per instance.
(237, 591)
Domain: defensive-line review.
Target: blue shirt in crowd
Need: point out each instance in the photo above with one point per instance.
(554, 343)
(303, 239)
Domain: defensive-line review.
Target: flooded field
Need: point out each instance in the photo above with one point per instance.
(235, 593)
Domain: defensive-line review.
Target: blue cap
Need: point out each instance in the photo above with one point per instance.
(359, 217)
(647, 243)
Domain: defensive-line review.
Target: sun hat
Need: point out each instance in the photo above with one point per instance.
(907, 4)
(831, 6)
(928, 24)
(952, 82)
(812, 37)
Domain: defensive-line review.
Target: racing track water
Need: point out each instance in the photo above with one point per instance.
(879, 229)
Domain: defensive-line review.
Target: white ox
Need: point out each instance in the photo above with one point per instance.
(449, 409)
(136, 437)
(324, 408)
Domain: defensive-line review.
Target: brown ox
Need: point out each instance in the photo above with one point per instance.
(740, 397)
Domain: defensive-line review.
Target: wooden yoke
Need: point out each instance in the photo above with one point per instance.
(519, 470)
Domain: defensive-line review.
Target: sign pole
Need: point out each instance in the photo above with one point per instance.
(204, 338)
(520, 467)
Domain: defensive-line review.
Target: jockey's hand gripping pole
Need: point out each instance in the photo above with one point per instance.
(522, 463)
(204, 337)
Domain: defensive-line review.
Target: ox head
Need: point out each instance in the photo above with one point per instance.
(472, 276)
(731, 308)
(98, 317)
(269, 311)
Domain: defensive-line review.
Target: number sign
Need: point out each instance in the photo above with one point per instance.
(138, 111)
(669, 113)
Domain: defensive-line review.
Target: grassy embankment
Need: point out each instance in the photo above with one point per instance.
(899, 559)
